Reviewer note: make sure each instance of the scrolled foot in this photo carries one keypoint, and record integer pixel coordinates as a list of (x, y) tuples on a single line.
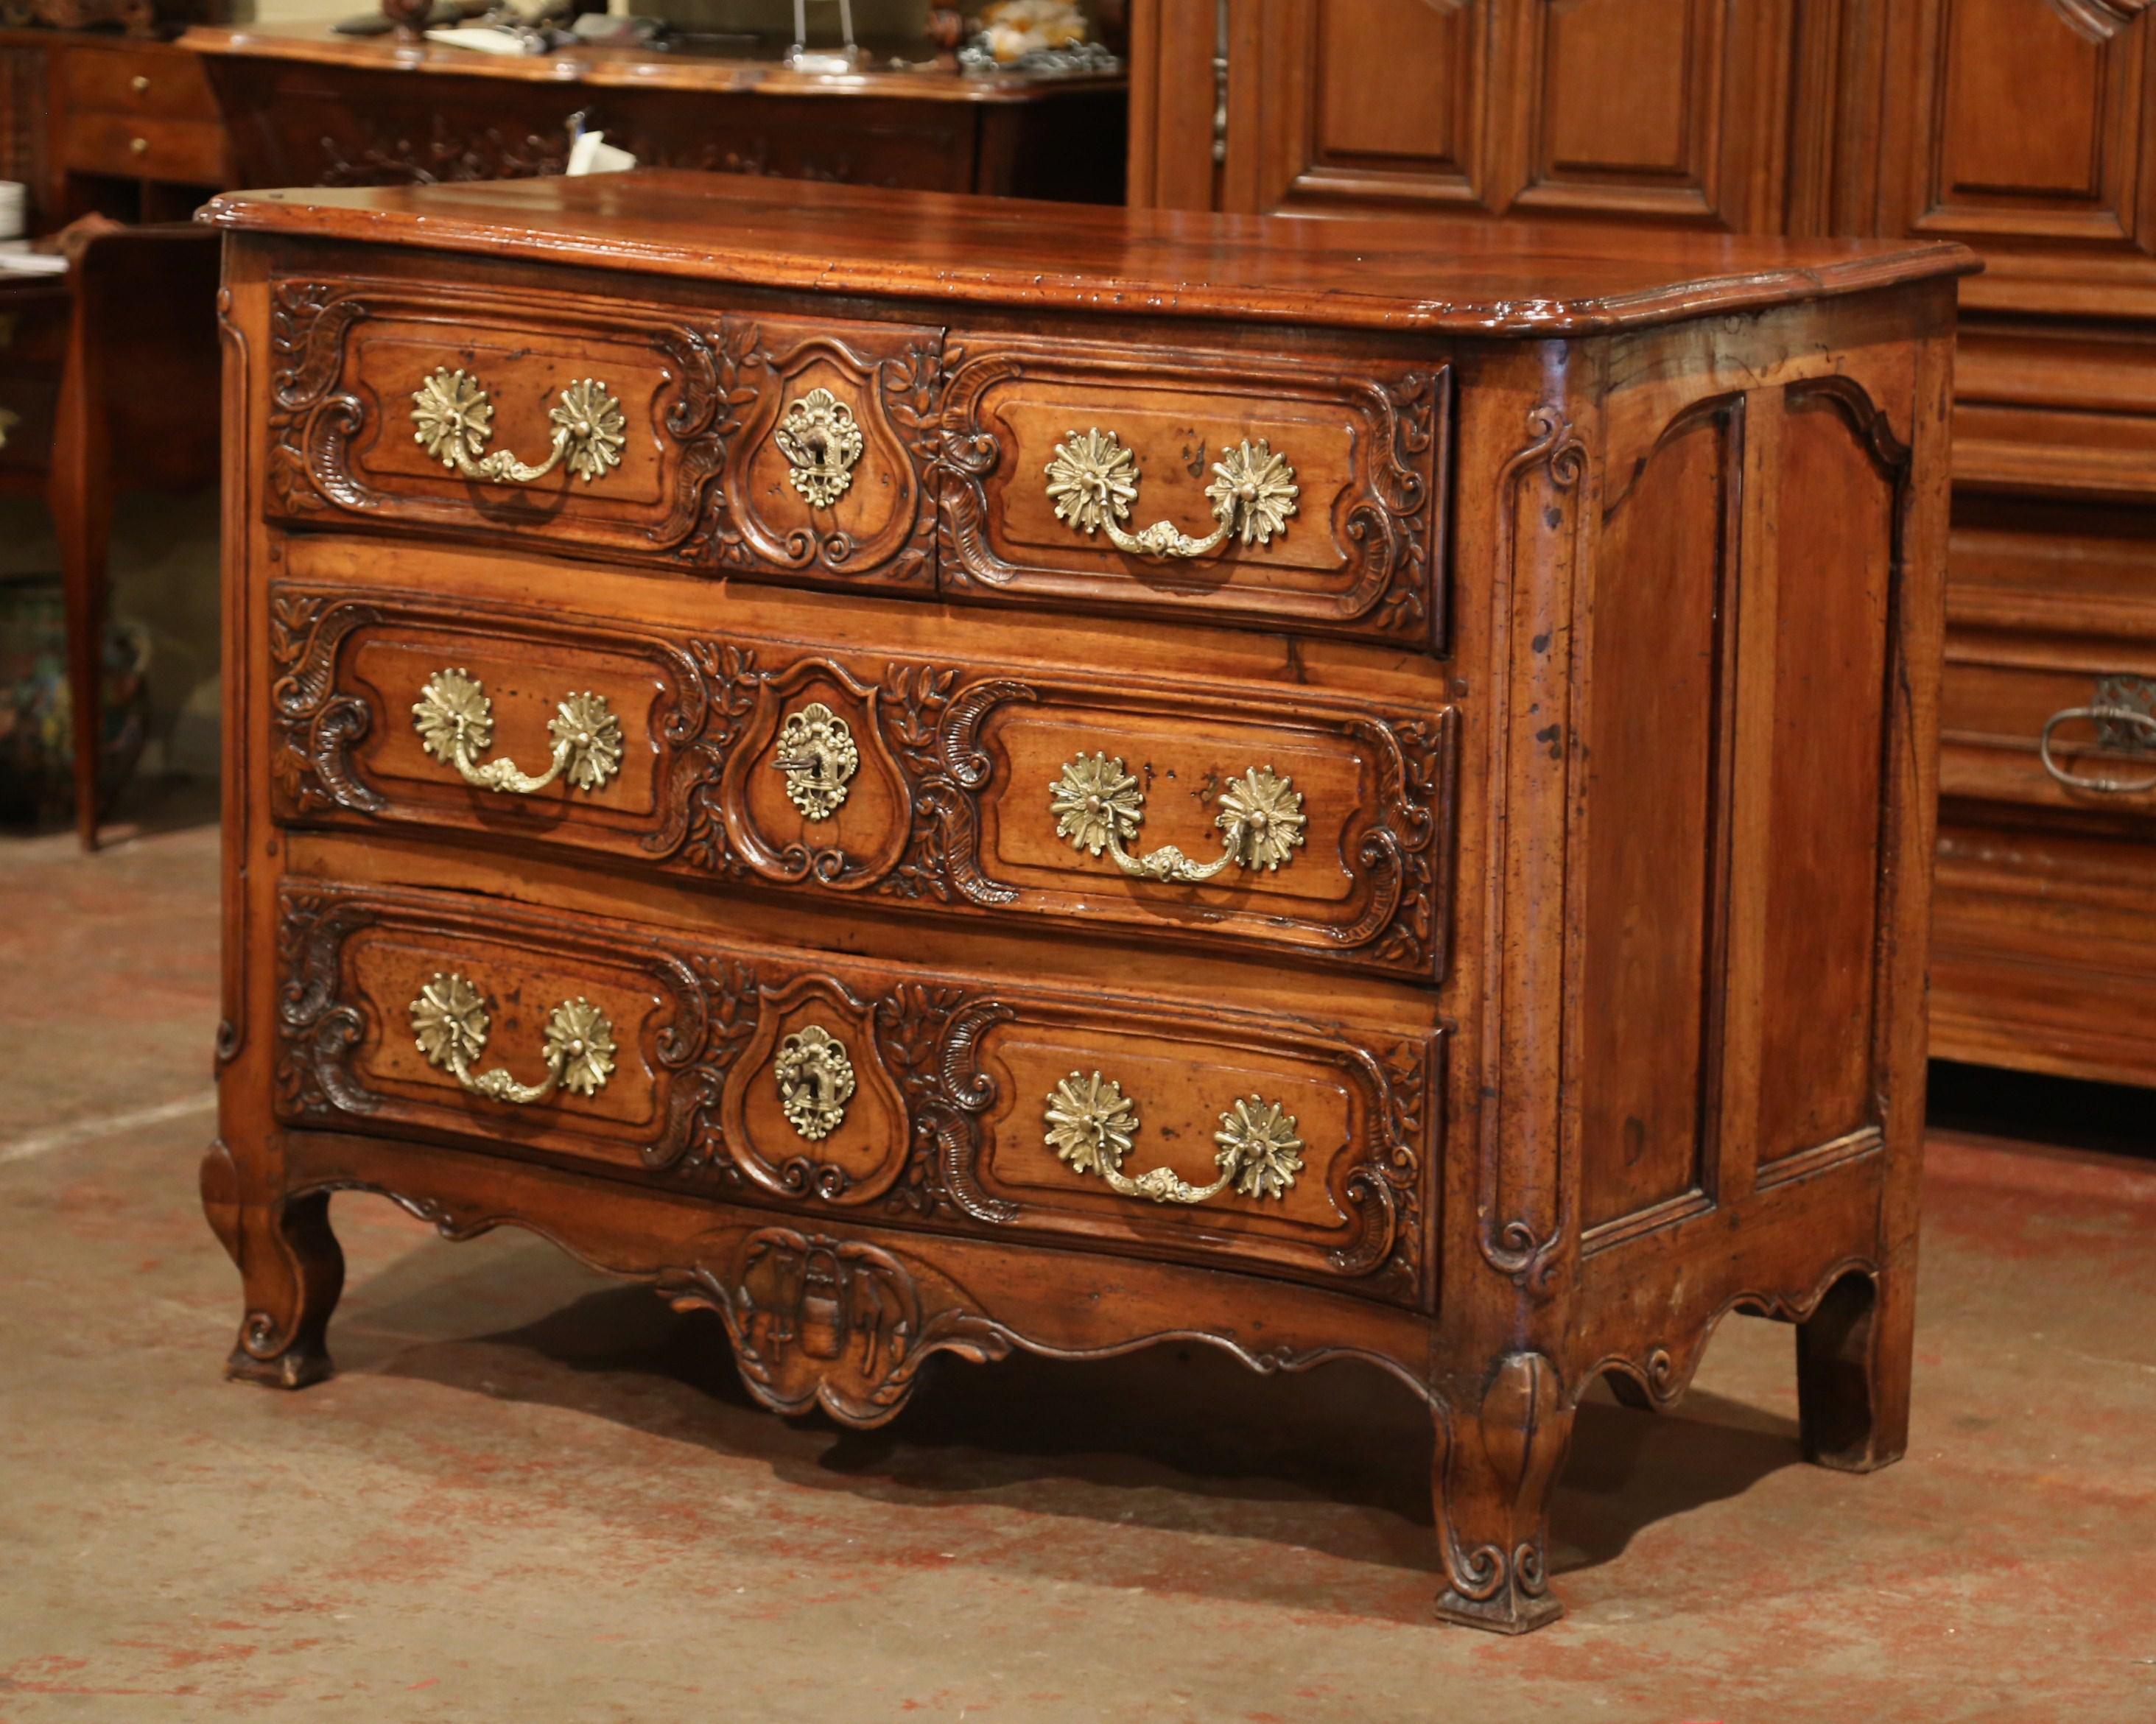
[(292, 1270), (1494, 1475)]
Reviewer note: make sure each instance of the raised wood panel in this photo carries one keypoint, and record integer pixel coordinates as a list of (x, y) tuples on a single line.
[(1626, 106), (2033, 120), (1835, 539), (1676, 110), (1357, 102), (1655, 829)]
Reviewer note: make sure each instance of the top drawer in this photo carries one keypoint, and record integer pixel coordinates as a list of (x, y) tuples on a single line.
[(147, 83), (1284, 493), (1288, 493), (788, 450)]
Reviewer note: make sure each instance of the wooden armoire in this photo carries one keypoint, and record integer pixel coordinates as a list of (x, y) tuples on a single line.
[(2026, 128)]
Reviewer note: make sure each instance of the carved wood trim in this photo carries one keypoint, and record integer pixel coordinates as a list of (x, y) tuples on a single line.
[(1665, 1371)]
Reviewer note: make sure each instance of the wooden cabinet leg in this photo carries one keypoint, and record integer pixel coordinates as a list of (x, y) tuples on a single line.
[(1495, 1469), (1853, 1359), (292, 1271), (80, 495)]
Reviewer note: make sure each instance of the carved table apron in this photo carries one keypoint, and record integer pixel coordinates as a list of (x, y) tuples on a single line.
[(925, 776)]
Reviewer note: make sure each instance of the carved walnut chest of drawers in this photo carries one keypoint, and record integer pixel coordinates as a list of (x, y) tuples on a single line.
[(930, 775)]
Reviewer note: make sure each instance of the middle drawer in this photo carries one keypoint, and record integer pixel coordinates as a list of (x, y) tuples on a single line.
[(1203, 812)]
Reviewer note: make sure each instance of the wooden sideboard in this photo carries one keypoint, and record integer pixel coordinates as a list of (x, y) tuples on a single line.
[(308, 108), (144, 129), (923, 773), (2026, 128)]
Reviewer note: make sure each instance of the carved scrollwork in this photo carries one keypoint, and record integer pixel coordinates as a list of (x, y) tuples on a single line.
[(750, 360), (314, 727), (837, 1323), (387, 151), (317, 1031)]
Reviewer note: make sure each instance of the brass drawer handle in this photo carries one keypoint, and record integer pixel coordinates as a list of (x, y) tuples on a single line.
[(139, 83), (454, 718), (2131, 716), (1094, 480), (455, 417), (449, 1023), (1091, 1124), (1097, 807)]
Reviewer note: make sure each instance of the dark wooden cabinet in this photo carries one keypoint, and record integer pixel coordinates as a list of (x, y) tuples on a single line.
[(925, 774), (2025, 128)]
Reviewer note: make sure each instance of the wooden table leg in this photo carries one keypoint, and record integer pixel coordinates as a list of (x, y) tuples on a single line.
[(80, 494)]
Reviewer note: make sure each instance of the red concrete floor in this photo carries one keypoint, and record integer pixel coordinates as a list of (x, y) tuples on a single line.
[(535, 1494)]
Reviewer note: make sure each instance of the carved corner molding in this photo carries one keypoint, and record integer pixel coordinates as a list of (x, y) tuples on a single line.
[(1511, 1178)]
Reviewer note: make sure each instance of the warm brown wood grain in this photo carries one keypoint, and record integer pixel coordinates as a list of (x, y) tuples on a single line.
[(1392, 276), (1594, 995)]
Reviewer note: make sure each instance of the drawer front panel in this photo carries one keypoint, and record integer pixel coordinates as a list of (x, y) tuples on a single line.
[(184, 151), (2052, 732), (1353, 550), (961, 787), (959, 1103), (168, 84), (782, 450)]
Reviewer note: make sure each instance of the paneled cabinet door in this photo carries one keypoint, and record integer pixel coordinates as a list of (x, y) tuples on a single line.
[(1668, 110), (2027, 127)]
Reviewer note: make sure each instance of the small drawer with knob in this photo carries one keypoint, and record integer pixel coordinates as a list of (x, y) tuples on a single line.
[(1306, 494), (147, 81), (865, 1091), (1306, 821), (184, 152), (773, 449)]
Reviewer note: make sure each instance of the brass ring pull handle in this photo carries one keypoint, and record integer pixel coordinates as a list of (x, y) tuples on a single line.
[(1097, 807), (449, 1023), (1093, 482), (455, 421), (2115, 715), (455, 717), (1091, 1124)]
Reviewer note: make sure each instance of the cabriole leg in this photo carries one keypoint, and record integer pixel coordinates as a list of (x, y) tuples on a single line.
[(292, 1271), (1494, 1472)]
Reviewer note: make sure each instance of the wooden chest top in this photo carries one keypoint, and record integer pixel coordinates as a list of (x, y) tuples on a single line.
[(1400, 275)]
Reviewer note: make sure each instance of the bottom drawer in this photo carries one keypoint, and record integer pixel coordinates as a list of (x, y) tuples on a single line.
[(910, 1095)]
